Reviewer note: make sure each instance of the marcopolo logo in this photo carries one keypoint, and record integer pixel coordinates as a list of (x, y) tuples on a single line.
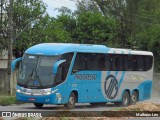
[(111, 87)]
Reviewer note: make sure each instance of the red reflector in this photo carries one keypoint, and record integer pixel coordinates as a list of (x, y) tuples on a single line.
[(32, 99)]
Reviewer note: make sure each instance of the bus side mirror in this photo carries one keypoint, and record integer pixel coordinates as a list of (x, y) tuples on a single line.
[(14, 62), (56, 65)]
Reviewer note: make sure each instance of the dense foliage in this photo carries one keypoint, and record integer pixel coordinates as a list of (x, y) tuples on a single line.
[(132, 24)]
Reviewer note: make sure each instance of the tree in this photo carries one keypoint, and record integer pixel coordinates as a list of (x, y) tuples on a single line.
[(92, 26), (68, 21), (47, 29), (25, 12), (3, 24)]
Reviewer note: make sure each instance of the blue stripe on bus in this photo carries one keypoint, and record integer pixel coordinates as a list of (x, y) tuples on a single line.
[(108, 73), (116, 73)]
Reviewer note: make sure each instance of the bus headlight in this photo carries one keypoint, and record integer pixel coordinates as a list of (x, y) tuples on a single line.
[(48, 93), (54, 91), (19, 91), (51, 92)]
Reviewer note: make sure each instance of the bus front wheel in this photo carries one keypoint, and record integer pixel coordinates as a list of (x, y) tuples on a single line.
[(72, 101), (125, 99), (38, 105)]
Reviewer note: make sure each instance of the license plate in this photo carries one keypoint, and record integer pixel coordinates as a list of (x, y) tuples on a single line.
[(32, 99)]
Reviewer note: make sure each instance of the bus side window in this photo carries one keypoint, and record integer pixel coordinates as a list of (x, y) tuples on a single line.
[(92, 61), (140, 63), (59, 75), (129, 63), (123, 63), (148, 60), (89, 61), (95, 61), (110, 62), (115, 62), (107, 62), (101, 62), (79, 63), (119, 62), (135, 63)]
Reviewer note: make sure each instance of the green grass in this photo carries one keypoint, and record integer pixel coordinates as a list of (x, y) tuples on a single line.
[(8, 100)]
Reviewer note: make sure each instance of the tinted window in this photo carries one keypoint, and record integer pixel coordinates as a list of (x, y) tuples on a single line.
[(118, 62), (80, 62), (108, 62), (139, 63), (148, 61), (101, 62), (92, 62), (112, 62), (89, 61)]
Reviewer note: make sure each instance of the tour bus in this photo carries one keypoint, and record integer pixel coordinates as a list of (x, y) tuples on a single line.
[(66, 74)]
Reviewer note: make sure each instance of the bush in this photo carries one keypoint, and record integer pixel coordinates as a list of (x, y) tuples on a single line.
[(8, 100)]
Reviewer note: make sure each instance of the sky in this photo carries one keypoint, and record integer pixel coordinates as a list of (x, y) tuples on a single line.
[(53, 4)]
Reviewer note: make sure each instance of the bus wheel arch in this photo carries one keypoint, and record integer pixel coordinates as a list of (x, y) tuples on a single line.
[(134, 96), (76, 94)]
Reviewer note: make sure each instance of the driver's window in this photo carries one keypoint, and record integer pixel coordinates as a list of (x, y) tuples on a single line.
[(64, 67), (59, 75)]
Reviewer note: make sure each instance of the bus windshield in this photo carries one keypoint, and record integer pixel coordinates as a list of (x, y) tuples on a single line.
[(36, 71)]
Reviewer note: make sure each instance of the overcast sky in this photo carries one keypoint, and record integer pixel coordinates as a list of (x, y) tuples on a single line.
[(53, 4)]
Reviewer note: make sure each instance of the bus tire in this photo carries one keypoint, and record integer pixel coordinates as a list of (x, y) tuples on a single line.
[(72, 101), (125, 99), (134, 98), (38, 105)]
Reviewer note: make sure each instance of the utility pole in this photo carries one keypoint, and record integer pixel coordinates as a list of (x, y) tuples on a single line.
[(10, 41)]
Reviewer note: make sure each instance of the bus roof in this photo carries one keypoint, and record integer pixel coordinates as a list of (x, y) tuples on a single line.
[(61, 48)]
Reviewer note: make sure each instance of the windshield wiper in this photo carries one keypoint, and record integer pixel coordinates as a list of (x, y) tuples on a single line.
[(31, 77), (38, 78)]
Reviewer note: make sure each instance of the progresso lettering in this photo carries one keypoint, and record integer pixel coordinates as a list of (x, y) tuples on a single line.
[(85, 76)]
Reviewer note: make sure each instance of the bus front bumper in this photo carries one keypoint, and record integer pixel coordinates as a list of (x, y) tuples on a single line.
[(45, 99)]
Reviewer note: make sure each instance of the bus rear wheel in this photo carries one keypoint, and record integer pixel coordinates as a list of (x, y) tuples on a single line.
[(125, 99), (72, 101), (38, 105), (134, 98)]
